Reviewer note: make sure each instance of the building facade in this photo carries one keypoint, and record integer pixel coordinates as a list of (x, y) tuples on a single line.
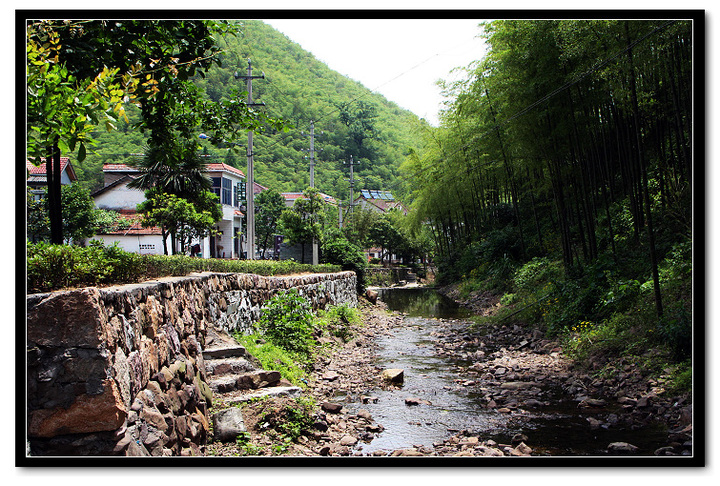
[(227, 183)]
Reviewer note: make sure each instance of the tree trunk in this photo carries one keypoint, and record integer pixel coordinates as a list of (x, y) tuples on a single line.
[(53, 170), (644, 181)]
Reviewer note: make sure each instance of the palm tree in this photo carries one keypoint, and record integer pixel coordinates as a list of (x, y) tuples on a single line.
[(173, 167)]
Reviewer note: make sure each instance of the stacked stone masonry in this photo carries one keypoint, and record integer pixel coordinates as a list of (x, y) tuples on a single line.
[(119, 371)]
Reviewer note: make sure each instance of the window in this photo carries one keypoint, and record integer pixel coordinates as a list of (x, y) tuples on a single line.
[(216, 185), (226, 196), (223, 188)]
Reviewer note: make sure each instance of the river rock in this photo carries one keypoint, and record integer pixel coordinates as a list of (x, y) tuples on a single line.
[(416, 401), (520, 450), (394, 375), (348, 440), (592, 403), (622, 447), (518, 438), (371, 295), (228, 424), (362, 413), (330, 375), (331, 407)]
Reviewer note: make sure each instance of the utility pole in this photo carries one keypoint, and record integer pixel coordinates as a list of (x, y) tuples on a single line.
[(250, 177), (352, 186), (312, 153), (315, 250)]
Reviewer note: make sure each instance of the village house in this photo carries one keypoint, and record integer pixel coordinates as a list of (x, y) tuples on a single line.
[(379, 202), (37, 176), (117, 196), (291, 197)]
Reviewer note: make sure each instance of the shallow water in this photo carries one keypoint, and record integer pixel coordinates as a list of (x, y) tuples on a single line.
[(559, 429)]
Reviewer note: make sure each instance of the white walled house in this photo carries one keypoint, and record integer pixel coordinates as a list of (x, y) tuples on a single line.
[(37, 176), (227, 185), (116, 196)]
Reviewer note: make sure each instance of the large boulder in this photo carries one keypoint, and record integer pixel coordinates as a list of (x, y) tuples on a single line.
[(228, 424)]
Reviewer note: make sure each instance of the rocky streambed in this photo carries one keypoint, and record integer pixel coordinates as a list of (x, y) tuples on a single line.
[(467, 391)]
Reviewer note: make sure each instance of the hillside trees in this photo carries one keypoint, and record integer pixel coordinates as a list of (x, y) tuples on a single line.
[(571, 139), (65, 57), (297, 88)]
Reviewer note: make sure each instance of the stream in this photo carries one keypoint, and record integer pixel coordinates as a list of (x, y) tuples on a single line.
[(441, 406)]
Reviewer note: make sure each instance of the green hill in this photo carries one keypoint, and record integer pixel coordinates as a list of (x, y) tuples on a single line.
[(349, 120)]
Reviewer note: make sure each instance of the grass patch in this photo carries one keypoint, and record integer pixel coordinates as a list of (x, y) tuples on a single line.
[(338, 321), (272, 357)]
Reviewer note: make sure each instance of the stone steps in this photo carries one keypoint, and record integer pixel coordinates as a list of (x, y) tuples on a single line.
[(275, 391), (225, 352), (224, 366), (234, 376), (244, 381)]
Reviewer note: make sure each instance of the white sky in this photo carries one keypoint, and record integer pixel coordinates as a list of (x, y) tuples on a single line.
[(399, 58)]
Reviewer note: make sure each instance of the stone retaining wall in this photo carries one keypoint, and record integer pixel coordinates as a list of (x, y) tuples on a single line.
[(119, 370)]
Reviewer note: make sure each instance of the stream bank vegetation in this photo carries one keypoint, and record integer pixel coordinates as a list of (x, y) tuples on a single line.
[(561, 179), (289, 338)]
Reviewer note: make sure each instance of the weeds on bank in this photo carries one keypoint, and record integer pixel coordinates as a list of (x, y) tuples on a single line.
[(286, 337), (602, 311)]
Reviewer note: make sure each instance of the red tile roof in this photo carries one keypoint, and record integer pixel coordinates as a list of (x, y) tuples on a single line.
[(41, 170), (119, 168), (292, 196), (213, 167), (220, 166)]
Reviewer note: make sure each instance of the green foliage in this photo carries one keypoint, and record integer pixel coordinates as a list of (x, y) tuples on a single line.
[(675, 330), (179, 217), (63, 108), (338, 321), (273, 357), (337, 250), (681, 378), (291, 419), (269, 206), (243, 441), (297, 88), (80, 219), (287, 322), (304, 221), (53, 267)]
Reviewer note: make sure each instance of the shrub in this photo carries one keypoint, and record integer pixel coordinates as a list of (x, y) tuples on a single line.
[(675, 331), (338, 321), (287, 322), (272, 357), (535, 273), (52, 267), (339, 251), (291, 418)]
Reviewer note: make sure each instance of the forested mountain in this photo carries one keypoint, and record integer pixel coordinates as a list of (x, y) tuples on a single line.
[(349, 120)]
